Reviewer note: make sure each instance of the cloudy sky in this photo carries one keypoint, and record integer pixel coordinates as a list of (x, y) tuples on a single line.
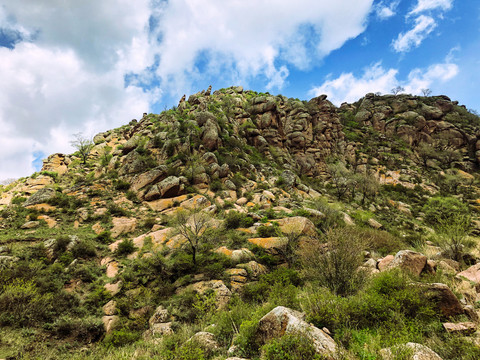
[(69, 66)]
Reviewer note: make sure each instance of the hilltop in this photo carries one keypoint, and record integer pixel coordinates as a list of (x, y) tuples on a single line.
[(245, 224)]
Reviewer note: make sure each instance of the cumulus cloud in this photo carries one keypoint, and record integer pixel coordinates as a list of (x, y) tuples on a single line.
[(427, 5), (384, 11), (65, 74), (250, 37), (424, 25), (347, 87)]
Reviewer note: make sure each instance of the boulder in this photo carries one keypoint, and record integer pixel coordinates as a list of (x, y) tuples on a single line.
[(206, 341), (123, 225), (463, 328), (374, 223), (472, 273), (410, 261), (415, 351), (110, 308), (298, 225), (384, 262), (110, 323), (30, 225), (254, 269), (282, 320), (149, 177), (41, 196), (444, 299), (222, 293), (160, 315), (169, 187)]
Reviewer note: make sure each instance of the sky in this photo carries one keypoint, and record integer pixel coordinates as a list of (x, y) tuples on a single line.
[(69, 67)]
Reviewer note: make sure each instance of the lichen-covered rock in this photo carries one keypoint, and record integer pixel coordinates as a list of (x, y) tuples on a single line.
[(410, 261), (282, 320), (40, 197)]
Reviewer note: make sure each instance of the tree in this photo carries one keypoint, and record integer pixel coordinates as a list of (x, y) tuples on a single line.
[(426, 92), (368, 186), (398, 89), (193, 226), (83, 145), (340, 177)]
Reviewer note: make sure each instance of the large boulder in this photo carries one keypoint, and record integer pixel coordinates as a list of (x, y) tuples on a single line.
[(40, 197), (282, 320), (409, 261)]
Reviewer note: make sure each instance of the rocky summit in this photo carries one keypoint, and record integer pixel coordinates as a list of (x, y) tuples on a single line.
[(243, 225)]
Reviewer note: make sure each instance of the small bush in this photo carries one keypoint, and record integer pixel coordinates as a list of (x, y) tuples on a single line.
[(267, 231), (121, 337), (335, 265), (234, 220), (126, 247), (85, 330), (290, 347), (121, 185), (84, 249), (105, 237)]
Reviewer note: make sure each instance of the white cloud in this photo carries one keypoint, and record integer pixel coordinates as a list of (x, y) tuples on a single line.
[(384, 11), (347, 87), (70, 76), (247, 38), (426, 5), (424, 25)]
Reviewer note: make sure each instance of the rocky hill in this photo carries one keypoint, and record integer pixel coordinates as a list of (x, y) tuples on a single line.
[(251, 225)]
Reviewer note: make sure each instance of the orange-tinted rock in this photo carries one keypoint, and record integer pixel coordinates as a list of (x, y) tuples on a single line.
[(123, 225)]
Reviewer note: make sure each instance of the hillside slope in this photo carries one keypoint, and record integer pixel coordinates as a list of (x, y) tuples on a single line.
[(180, 231)]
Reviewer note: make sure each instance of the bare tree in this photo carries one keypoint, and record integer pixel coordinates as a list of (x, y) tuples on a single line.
[(426, 92), (83, 145), (398, 89), (193, 226), (340, 177)]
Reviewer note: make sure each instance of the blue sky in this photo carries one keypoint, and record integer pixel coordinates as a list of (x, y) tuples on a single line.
[(69, 67)]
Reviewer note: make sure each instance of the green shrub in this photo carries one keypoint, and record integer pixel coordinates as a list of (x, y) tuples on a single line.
[(22, 304), (105, 237), (116, 210), (121, 337), (335, 265), (125, 247), (121, 185), (290, 347), (235, 219), (86, 330), (17, 200), (84, 249), (267, 231)]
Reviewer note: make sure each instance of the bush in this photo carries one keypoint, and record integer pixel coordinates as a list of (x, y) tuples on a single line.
[(84, 249), (105, 237), (85, 330), (234, 220), (121, 337), (335, 265), (126, 247), (267, 231), (290, 347)]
